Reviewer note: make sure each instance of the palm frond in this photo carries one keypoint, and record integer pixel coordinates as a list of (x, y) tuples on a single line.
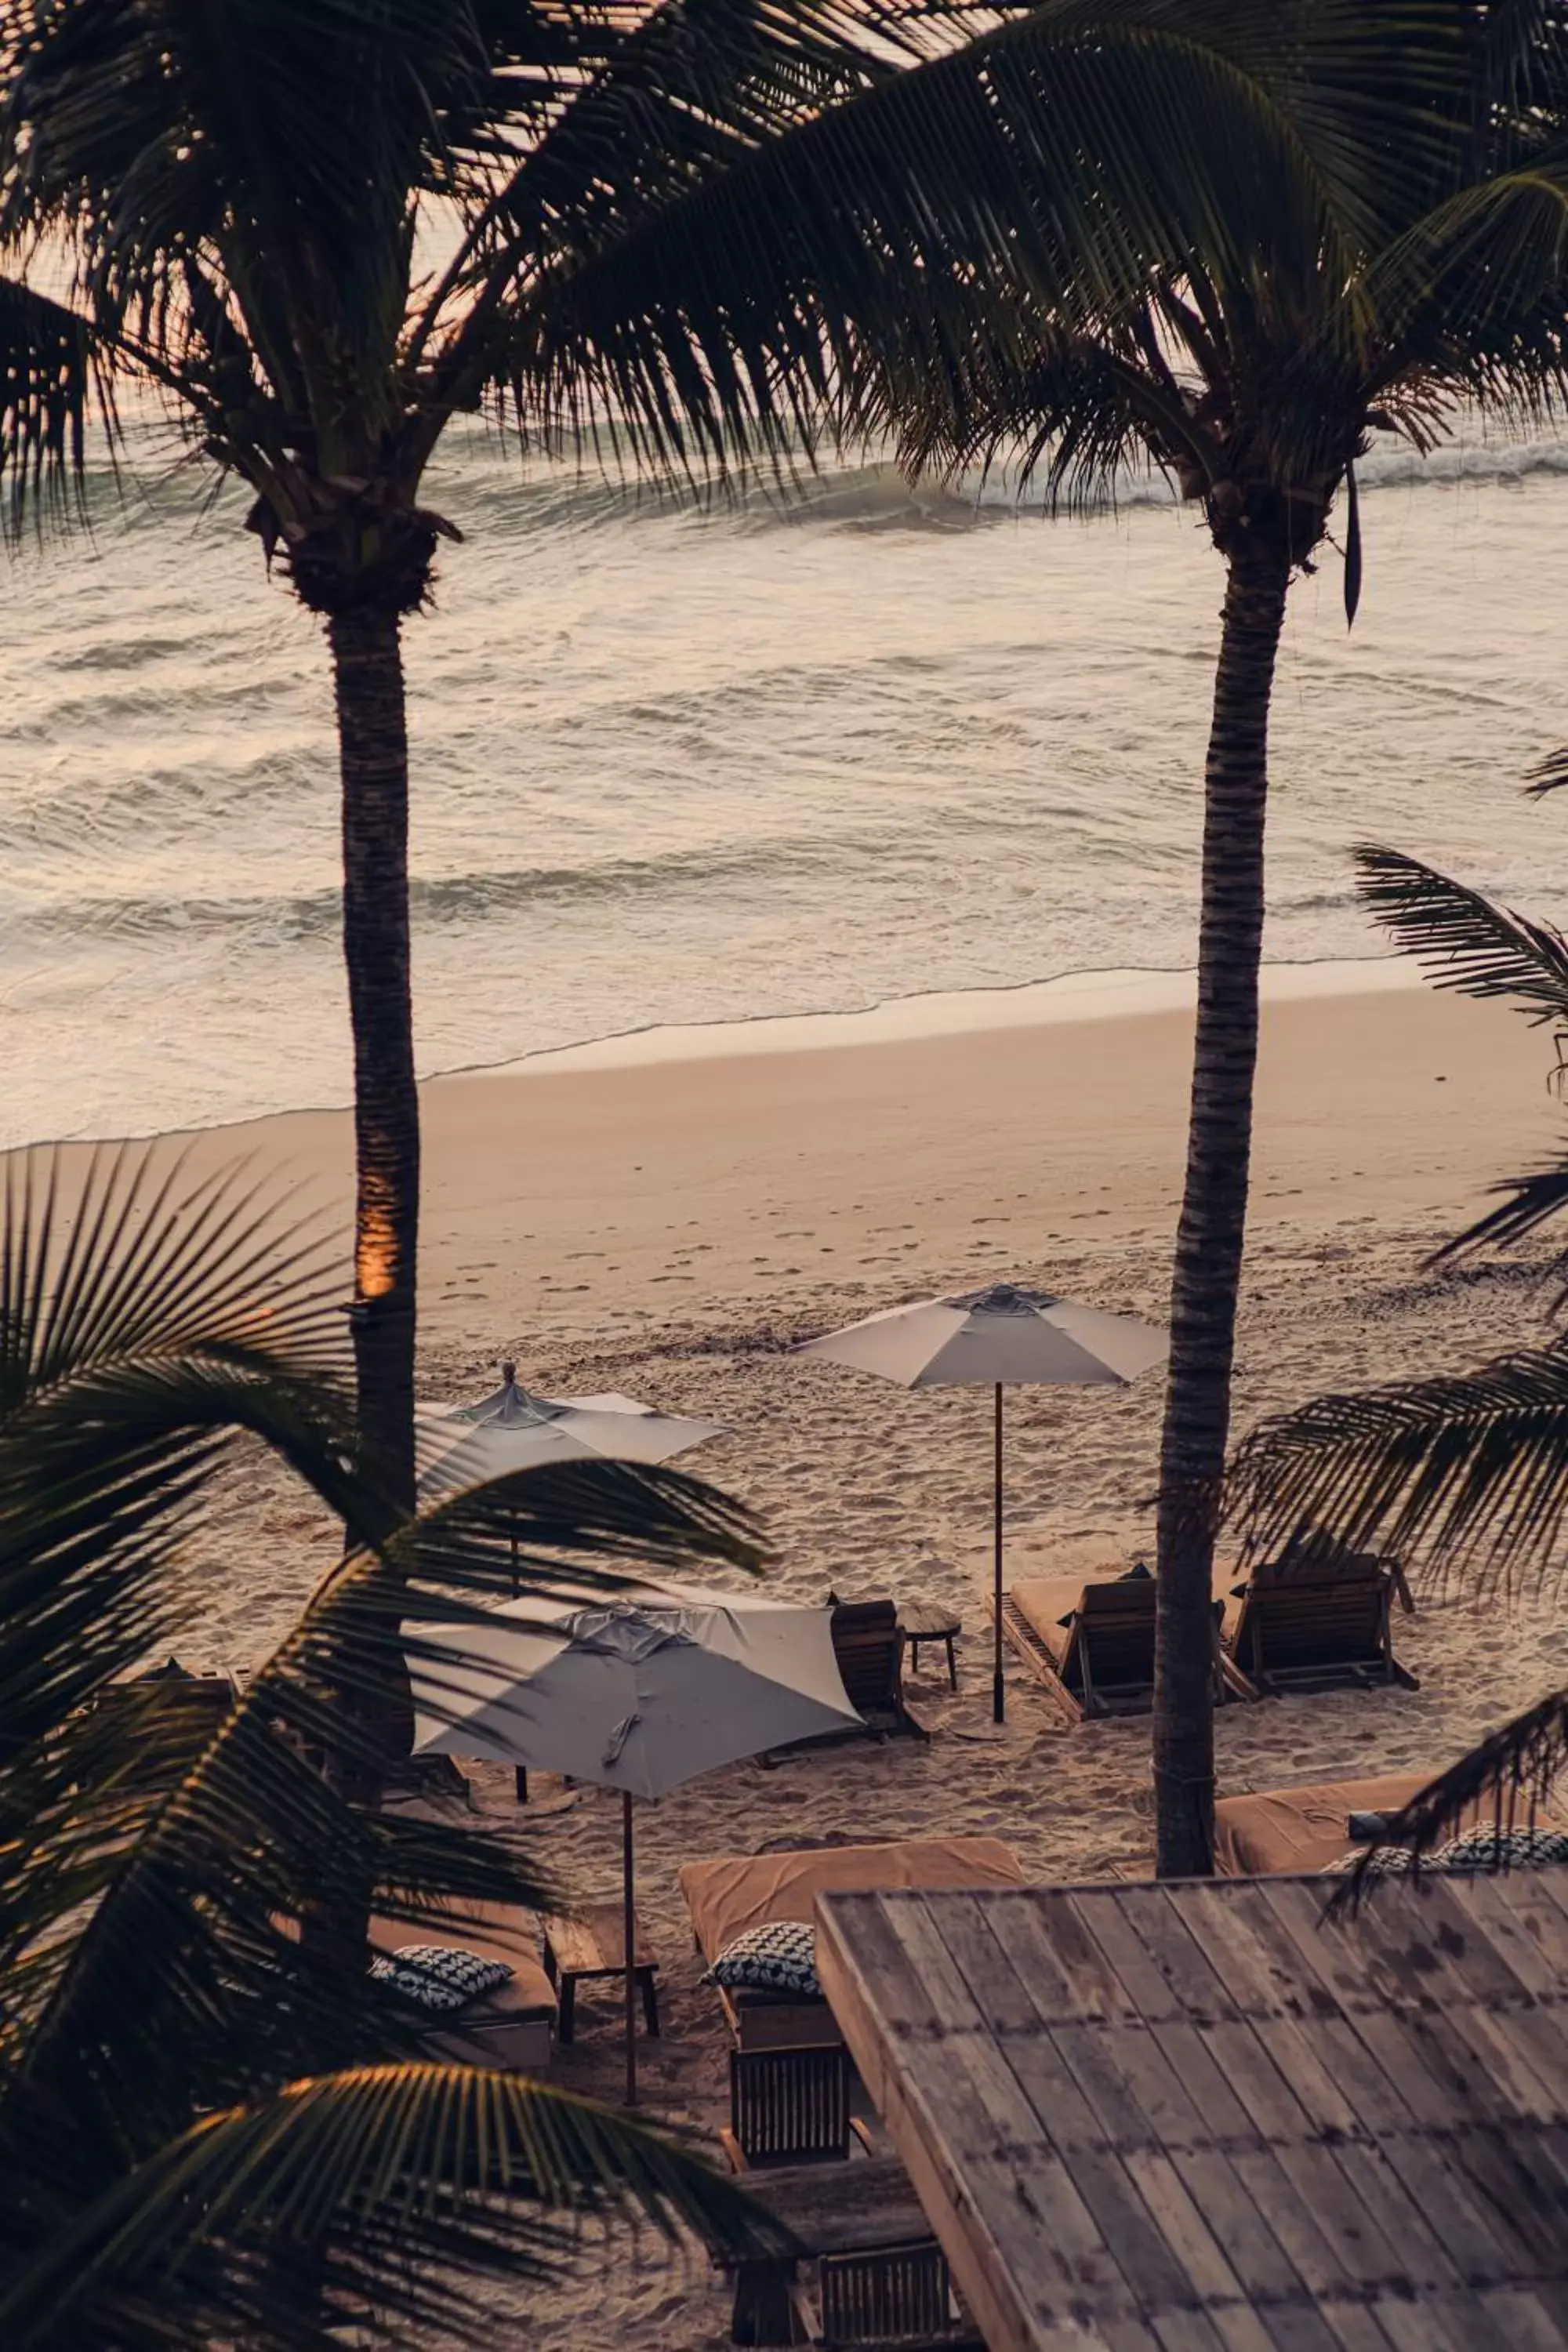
[(1549, 775), (1066, 158), (1508, 1776), (406, 2183), (1469, 1470), (53, 388), (1528, 1203), (1462, 939), (195, 1974)]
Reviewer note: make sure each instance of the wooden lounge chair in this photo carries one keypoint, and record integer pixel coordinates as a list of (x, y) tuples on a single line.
[(892, 2295), (869, 1644), (1316, 1619), (790, 2106), (1091, 1642)]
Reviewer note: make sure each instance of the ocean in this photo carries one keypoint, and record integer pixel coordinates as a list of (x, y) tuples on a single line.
[(685, 765)]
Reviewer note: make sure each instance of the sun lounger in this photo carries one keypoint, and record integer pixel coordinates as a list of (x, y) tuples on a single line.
[(1316, 1620), (1301, 1830), (512, 2027), (869, 1645), (1091, 1642), (733, 1892)]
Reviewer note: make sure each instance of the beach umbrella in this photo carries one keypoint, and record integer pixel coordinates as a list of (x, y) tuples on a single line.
[(511, 1430), (638, 1692), (995, 1337), (462, 1444)]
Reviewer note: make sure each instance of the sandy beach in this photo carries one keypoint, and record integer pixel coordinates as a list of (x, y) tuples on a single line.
[(672, 1228)]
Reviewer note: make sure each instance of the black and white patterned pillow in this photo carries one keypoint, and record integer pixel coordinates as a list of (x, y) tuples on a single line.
[(1480, 1850), (1381, 1861), (1465, 1857), (779, 1958), (436, 1977)]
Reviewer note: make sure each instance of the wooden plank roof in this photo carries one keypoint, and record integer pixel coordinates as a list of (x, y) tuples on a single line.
[(1198, 2118)]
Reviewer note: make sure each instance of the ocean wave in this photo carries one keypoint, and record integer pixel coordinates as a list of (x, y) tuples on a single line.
[(457, 899), (873, 495)]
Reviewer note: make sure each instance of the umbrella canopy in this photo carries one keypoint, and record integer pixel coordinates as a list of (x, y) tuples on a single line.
[(511, 1430), (1000, 1335), (637, 1694), (997, 1337)]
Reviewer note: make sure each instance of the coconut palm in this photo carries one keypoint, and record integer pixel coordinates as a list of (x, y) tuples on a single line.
[(1469, 1471), (214, 2124), (1232, 243), (321, 234)]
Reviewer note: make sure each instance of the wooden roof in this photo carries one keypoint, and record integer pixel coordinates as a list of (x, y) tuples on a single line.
[(1194, 2118)]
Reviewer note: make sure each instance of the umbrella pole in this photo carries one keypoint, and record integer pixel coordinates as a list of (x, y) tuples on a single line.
[(521, 1773), (998, 1698), (629, 1918)]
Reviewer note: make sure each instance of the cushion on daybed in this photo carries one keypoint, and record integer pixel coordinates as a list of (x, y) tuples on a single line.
[(780, 1958), (440, 1977), (492, 1931), (734, 1892), (1470, 1856)]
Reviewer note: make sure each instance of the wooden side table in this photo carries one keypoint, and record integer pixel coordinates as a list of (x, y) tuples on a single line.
[(592, 1944), (928, 1621)]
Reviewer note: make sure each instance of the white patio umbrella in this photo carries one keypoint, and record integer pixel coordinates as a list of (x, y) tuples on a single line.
[(511, 1430), (637, 1694), (996, 1338)]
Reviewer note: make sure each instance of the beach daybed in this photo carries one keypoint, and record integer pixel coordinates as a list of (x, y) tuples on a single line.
[(732, 1893), (1296, 1831), (1089, 1641), (511, 2027), (1314, 1620)]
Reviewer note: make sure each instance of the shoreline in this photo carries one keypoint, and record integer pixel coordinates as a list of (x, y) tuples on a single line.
[(1107, 993), (1066, 999)]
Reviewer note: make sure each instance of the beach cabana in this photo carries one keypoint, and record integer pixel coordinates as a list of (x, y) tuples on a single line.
[(639, 1695), (998, 1338)]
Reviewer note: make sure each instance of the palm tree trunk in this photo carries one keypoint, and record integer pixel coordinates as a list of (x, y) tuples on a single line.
[(372, 740), (1207, 1273)]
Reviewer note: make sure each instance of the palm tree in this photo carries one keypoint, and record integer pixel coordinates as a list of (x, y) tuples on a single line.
[(213, 2127), (1471, 1471), (1232, 243), (321, 235)]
